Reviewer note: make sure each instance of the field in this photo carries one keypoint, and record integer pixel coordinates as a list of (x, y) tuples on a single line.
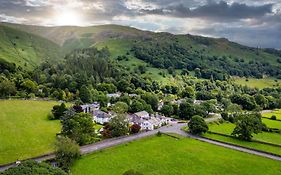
[(168, 156), (25, 130), (276, 112), (227, 129), (258, 83)]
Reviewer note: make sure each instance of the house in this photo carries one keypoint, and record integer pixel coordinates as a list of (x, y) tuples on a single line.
[(101, 117), (89, 108), (114, 95), (142, 114), (146, 121), (133, 95), (198, 102), (178, 102)]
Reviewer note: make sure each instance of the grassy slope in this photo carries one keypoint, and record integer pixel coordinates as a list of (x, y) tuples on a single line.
[(258, 83), (25, 49), (25, 130), (168, 156)]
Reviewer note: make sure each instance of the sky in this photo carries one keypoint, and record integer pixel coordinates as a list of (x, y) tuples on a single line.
[(255, 23)]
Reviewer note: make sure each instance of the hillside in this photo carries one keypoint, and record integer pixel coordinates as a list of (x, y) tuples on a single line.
[(212, 57), (25, 49)]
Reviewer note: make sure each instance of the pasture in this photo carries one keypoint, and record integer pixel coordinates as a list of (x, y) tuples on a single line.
[(25, 130), (168, 156)]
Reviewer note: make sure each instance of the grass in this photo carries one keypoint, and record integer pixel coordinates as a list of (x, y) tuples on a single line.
[(26, 50), (25, 130), (227, 128), (258, 83), (276, 112), (168, 156)]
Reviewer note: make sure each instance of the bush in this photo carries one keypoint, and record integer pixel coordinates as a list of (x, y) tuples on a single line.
[(135, 128), (197, 125), (31, 167), (51, 116), (158, 134), (224, 115), (132, 172), (67, 151), (273, 117)]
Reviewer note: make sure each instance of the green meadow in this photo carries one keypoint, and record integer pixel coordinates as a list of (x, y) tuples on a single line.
[(257, 83), (25, 130), (227, 128), (169, 156)]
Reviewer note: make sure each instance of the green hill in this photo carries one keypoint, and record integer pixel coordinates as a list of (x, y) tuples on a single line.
[(25, 49), (214, 57)]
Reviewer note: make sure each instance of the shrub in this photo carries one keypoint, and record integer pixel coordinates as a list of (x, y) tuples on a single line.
[(135, 128), (158, 134), (224, 115), (273, 117), (32, 167), (132, 172), (67, 151), (51, 116)]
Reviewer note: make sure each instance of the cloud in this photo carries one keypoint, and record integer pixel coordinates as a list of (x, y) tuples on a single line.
[(249, 22), (214, 10)]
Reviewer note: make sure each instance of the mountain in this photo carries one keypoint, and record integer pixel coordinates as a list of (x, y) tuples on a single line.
[(26, 49), (212, 57)]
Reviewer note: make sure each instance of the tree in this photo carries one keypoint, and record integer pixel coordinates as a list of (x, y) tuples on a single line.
[(135, 128), (140, 105), (151, 99), (30, 86), (167, 110), (59, 110), (120, 107), (246, 101), (197, 125), (209, 106), (246, 125), (7, 88), (32, 167), (187, 110), (85, 94), (78, 127), (188, 92), (118, 126), (261, 101), (67, 151)]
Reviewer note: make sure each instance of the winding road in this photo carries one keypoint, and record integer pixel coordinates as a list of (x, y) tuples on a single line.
[(175, 128)]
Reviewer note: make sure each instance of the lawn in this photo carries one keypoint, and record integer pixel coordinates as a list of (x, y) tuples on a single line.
[(227, 128), (257, 83), (168, 156), (276, 112), (25, 130)]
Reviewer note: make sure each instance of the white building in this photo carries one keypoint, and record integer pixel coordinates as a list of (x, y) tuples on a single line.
[(114, 95), (142, 114), (90, 108), (101, 117), (148, 122)]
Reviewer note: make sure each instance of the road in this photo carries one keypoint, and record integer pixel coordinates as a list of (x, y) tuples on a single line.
[(175, 128)]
